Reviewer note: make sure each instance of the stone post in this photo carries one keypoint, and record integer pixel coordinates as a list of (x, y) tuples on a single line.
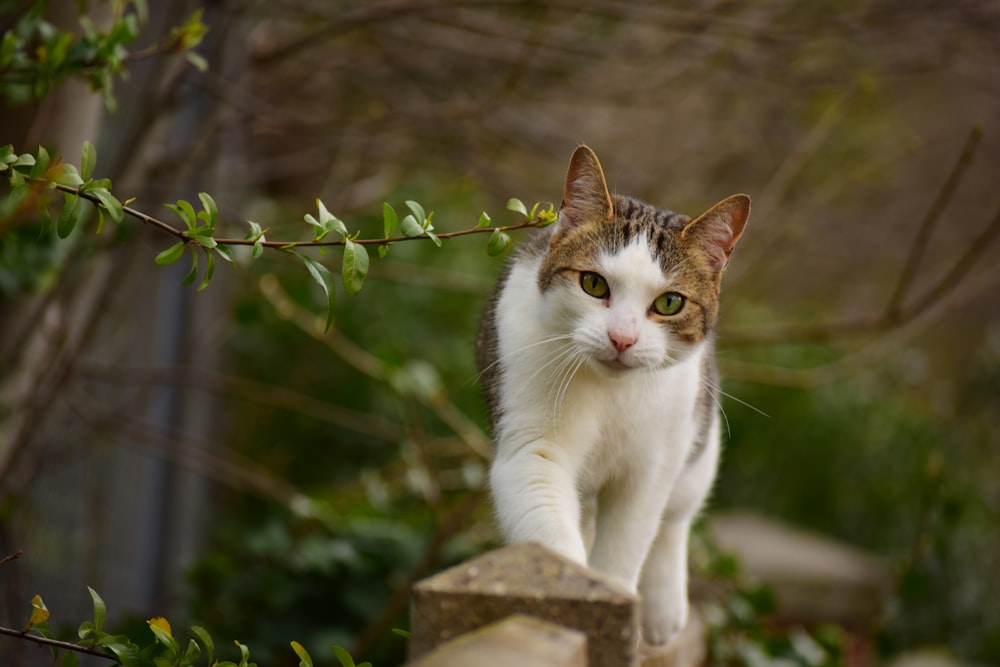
[(526, 579)]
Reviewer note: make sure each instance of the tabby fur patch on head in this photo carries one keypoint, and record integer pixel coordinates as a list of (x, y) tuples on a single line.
[(693, 253)]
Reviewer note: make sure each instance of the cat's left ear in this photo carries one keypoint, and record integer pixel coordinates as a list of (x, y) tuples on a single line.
[(718, 229), (585, 195)]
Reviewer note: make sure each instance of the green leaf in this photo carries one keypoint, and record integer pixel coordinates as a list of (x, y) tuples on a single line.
[(197, 60), (41, 164), (498, 244), (258, 248), (244, 654), (344, 657), (402, 633), (432, 236), (65, 174), (191, 653), (96, 184), (330, 222), (305, 660), (411, 227), (324, 279), (226, 253), (484, 220), (110, 204), (203, 235), (515, 204), (193, 273), (70, 659), (24, 160), (69, 216), (171, 254), (209, 271), (255, 230), (418, 211), (390, 219), (164, 635), (355, 267), (206, 639), (86, 629), (327, 223), (100, 610), (211, 209), (88, 161), (39, 613), (185, 211)]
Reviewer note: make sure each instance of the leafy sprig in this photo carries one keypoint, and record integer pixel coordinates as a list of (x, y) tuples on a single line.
[(196, 231), (35, 56), (166, 650)]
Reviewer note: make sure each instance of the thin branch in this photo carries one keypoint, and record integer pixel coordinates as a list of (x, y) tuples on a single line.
[(371, 365), (894, 309), (55, 643), (14, 556), (250, 390), (287, 245), (197, 457), (961, 267), (895, 313), (858, 360)]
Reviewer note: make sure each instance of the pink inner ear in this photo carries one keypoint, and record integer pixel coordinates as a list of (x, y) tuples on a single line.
[(720, 227), (585, 193)]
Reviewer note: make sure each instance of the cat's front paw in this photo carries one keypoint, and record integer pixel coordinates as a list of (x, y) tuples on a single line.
[(663, 619)]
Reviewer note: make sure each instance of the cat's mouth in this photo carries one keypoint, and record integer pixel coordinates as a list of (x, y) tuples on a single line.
[(615, 364)]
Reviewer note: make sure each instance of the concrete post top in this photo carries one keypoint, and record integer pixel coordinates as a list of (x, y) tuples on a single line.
[(528, 570)]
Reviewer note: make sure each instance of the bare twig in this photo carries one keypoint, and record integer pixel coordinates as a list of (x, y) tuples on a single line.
[(371, 365), (55, 643), (227, 470), (895, 312), (894, 309), (856, 361), (248, 390), (14, 556)]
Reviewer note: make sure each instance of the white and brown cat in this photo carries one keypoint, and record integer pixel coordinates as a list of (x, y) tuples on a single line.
[(597, 362)]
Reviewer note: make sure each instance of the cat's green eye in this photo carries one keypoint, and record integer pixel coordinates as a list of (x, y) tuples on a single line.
[(669, 303), (594, 284)]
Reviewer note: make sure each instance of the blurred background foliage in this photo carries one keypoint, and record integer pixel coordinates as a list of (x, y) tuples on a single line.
[(219, 457)]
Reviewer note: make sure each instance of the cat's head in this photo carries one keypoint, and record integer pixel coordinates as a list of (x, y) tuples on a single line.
[(635, 286)]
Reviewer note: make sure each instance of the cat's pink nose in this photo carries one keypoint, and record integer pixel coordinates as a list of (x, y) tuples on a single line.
[(621, 341)]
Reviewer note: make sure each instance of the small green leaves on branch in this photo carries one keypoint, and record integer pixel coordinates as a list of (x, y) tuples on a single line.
[(36, 55), (29, 175), (326, 223), (166, 648)]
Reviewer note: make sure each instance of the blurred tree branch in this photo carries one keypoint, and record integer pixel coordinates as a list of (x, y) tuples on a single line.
[(896, 313), (434, 398)]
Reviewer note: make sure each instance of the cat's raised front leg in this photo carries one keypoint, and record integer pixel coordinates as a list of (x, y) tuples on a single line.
[(536, 499), (663, 584)]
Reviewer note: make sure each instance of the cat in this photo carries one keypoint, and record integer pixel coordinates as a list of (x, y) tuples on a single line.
[(596, 354)]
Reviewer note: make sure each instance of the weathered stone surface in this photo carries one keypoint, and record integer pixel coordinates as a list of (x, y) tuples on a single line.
[(526, 579), (520, 641), (815, 579)]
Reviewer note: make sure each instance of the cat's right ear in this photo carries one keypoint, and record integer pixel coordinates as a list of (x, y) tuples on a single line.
[(585, 195)]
